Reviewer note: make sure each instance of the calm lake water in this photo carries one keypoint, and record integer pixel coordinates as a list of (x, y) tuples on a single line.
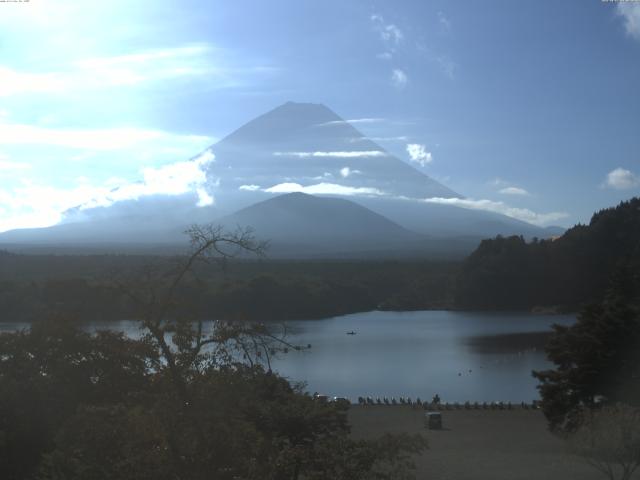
[(458, 355)]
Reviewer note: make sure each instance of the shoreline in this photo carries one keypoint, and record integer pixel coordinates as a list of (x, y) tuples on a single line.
[(545, 313)]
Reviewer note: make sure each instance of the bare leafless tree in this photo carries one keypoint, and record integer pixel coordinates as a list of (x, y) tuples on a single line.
[(186, 343)]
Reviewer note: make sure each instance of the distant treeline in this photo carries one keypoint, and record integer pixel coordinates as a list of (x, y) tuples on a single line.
[(95, 287), (560, 274), (505, 273)]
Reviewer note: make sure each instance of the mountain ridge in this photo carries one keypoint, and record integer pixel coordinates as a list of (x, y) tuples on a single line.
[(295, 147)]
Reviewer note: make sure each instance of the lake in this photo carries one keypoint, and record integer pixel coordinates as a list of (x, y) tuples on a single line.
[(458, 355)]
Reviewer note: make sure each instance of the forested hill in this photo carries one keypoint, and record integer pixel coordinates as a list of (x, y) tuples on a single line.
[(562, 273)]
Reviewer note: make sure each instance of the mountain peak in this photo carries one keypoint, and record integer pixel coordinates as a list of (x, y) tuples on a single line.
[(318, 108), (308, 144), (286, 120)]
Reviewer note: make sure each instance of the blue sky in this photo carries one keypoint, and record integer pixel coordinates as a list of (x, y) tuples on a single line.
[(529, 108)]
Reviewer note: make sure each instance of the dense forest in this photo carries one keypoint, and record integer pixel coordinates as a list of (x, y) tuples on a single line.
[(556, 274), (89, 287)]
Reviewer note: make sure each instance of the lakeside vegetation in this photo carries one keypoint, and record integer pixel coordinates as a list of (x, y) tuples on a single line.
[(505, 273)]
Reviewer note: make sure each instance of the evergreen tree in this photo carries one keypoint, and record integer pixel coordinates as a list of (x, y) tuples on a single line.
[(597, 359)]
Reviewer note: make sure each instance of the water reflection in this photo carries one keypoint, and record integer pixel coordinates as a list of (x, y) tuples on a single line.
[(508, 343)]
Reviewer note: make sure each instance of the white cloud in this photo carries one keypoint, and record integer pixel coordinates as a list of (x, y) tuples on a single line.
[(91, 139), (622, 179), (172, 179), (354, 154), (524, 214), (9, 166), (506, 188), (100, 72), (389, 32), (324, 189), (513, 191), (630, 12), (204, 198), (399, 78), (418, 154), (540, 219), (346, 171), (392, 36), (115, 182), (352, 121), (366, 120), (13, 82), (205, 158), (31, 205), (249, 188), (138, 58), (392, 33)]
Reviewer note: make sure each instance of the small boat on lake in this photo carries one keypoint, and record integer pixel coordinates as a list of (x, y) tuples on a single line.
[(351, 333)]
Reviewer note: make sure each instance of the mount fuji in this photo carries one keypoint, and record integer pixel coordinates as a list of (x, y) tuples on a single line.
[(363, 198)]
